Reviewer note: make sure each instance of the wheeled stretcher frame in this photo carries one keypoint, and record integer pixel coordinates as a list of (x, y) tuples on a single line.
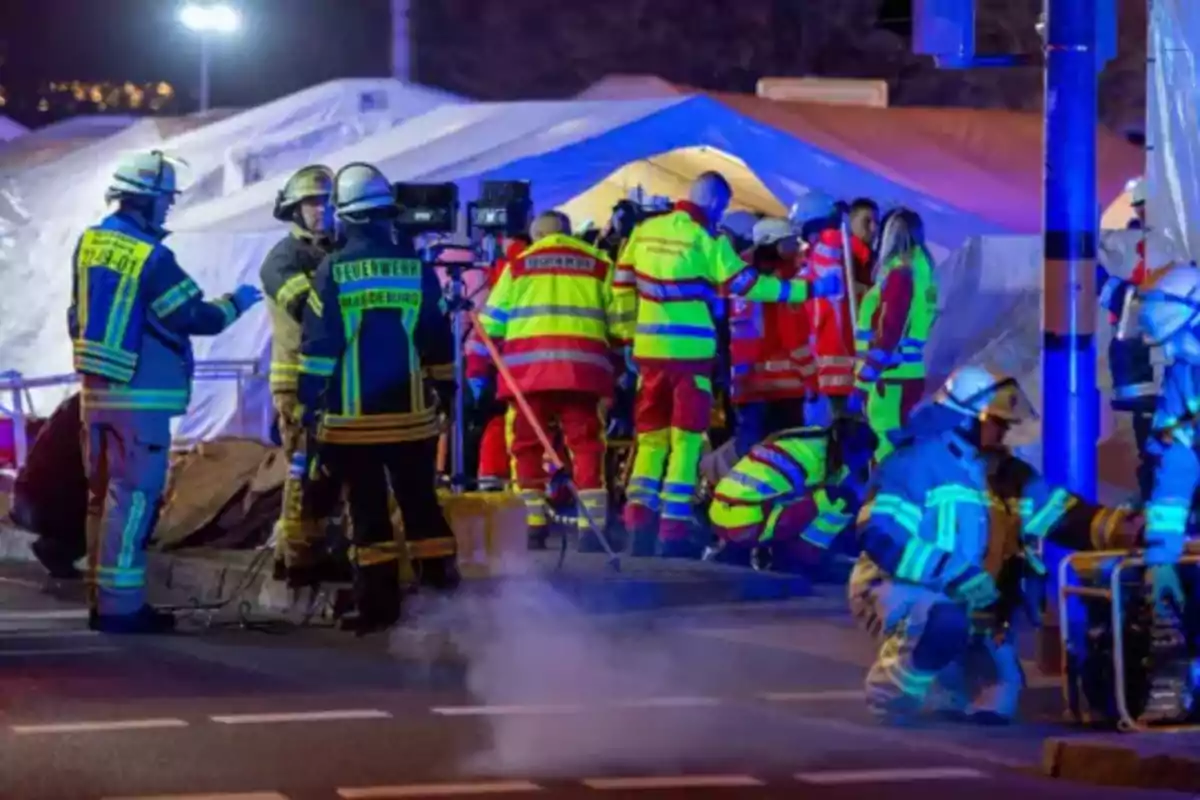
[(1114, 563)]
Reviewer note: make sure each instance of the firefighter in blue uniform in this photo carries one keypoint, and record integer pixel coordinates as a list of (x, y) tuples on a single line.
[(132, 312), (374, 332), (1170, 319), (952, 533)]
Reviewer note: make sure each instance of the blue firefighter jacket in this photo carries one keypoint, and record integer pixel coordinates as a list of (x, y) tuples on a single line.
[(374, 331), (133, 309), (936, 504), (1177, 472)]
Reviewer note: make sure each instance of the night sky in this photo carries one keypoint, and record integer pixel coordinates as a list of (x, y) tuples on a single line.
[(284, 46)]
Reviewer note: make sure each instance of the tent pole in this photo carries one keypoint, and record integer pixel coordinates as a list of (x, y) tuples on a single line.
[(1070, 400)]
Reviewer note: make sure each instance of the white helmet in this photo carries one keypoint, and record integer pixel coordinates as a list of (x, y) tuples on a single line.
[(361, 187), (1170, 303), (771, 230), (152, 174), (980, 393), (1137, 191), (811, 206)]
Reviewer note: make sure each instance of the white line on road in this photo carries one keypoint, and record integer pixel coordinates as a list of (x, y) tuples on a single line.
[(302, 716), (834, 778), (233, 796), (60, 613), (664, 782), (669, 702), (437, 790), (13, 634), (498, 711), (56, 651), (97, 727), (831, 695)]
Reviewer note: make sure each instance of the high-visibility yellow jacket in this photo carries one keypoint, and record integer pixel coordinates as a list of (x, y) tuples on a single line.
[(675, 269), (895, 319), (286, 276), (556, 320)]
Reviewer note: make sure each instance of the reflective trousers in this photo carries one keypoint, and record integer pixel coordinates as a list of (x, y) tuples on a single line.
[(671, 419), (126, 456), (579, 417), (889, 405), (298, 540), (929, 654)]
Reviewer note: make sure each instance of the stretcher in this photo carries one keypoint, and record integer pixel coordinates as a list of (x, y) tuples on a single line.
[(1113, 670)]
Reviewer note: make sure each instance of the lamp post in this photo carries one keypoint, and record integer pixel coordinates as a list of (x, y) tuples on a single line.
[(207, 19)]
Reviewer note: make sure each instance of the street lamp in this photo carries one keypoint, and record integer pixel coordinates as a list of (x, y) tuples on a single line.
[(207, 19)]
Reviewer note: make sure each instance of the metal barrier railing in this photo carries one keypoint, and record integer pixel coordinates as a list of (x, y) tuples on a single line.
[(243, 372)]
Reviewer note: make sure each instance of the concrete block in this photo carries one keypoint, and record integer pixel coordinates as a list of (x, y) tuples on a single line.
[(1168, 761)]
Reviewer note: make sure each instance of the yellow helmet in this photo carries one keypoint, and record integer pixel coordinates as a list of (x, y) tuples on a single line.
[(315, 180)]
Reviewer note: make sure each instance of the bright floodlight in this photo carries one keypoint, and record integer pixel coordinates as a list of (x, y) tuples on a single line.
[(218, 18)]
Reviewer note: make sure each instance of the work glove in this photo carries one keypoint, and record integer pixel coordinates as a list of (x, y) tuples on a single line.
[(1166, 589), (827, 285), (978, 591), (478, 387), (245, 297)]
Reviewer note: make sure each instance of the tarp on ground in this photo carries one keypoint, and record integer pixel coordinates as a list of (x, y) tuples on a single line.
[(10, 129), (44, 208), (1172, 137)]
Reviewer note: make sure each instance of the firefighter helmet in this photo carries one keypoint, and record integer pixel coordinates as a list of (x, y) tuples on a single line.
[(358, 188), (315, 180), (810, 207), (152, 174), (979, 393), (1170, 303)]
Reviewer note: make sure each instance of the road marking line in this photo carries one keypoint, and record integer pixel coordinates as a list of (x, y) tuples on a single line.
[(437, 790), (62, 613), (835, 777), (302, 716), (96, 727), (497, 711), (13, 634), (232, 796), (679, 782), (56, 651), (830, 695), (669, 702)]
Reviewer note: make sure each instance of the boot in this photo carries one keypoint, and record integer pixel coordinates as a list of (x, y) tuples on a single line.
[(55, 559), (440, 574), (145, 620), (642, 526), (377, 599), (537, 536)]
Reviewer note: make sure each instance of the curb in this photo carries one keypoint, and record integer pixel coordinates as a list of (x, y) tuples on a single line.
[(183, 579), (1147, 761)]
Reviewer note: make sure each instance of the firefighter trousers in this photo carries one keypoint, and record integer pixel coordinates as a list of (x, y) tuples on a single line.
[(888, 407), (671, 418), (298, 540), (367, 473), (930, 656), (126, 456), (580, 418)]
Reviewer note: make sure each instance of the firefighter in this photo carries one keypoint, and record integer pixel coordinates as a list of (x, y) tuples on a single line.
[(373, 332), (555, 318), (894, 321), (830, 320), (286, 277), (494, 470), (1170, 319), (950, 533), (802, 486), (772, 367), (676, 268), (133, 311)]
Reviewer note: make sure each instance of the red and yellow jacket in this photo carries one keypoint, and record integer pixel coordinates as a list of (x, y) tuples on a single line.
[(556, 320), (769, 344), (830, 323)]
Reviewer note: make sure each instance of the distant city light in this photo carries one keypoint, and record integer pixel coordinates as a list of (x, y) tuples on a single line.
[(218, 18)]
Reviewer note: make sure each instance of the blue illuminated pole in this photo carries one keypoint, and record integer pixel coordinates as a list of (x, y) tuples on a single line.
[(1070, 400)]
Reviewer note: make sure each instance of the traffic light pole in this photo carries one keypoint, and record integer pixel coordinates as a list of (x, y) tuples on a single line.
[(1070, 399)]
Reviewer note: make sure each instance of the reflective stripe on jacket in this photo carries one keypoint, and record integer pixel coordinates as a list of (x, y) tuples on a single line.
[(895, 319), (830, 321), (769, 347), (286, 276)]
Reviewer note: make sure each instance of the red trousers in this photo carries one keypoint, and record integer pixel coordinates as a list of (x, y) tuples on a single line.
[(494, 460), (578, 415)]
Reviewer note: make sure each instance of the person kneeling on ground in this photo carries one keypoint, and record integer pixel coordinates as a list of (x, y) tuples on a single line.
[(952, 532)]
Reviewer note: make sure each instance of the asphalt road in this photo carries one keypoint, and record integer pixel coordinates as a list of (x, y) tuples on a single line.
[(515, 695)]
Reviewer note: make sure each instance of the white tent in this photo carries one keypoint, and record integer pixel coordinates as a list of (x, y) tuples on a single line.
[(10, 129)]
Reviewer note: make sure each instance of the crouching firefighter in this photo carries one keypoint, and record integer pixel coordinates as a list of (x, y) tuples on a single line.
[(796, 491), (287, 280), (953, 526), (554, 316), (132, 312), (373, 331)]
